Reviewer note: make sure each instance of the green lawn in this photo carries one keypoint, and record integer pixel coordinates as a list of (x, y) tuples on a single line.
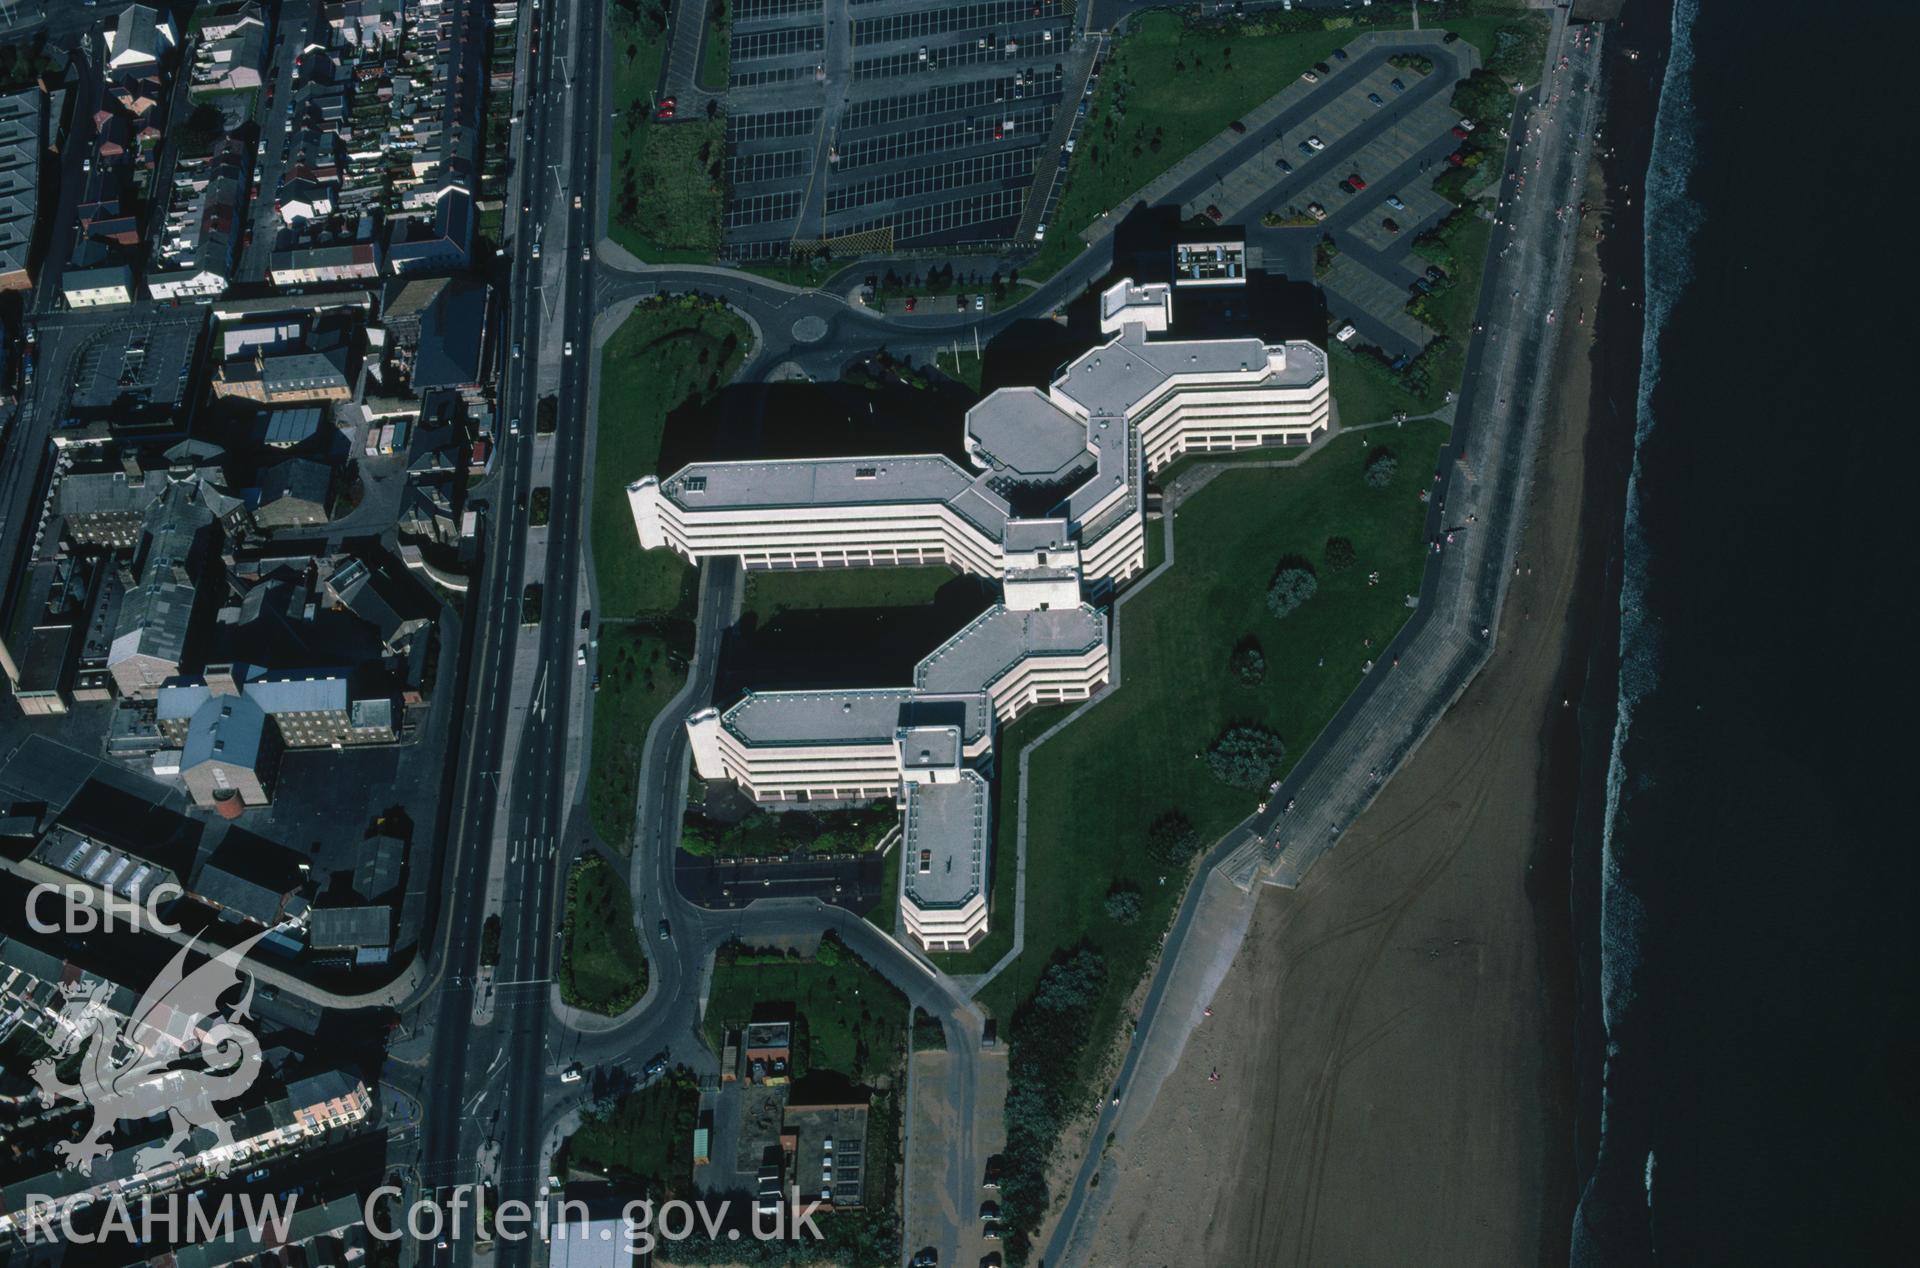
[(669, 187), (767, 834), (641, 666), (770, 593), (716, 52), (854, 1020), (645, 1138), (1364, 389), (669, 350), (884, 911), (966, 368), (602, 968), (1095, 787), (1166, 91)]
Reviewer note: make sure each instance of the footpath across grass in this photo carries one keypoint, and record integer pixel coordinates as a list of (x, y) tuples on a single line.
[(1095, 788), (602, 968), (670, 350), (641, 666), (847, 1018)]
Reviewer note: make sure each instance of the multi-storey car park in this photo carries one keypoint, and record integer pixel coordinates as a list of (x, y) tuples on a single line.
[(1083, 447)]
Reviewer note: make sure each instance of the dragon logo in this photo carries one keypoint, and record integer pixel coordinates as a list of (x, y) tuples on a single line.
[(177, 1054)]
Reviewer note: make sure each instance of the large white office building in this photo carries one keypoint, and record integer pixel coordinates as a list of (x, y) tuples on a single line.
[(1107, 421)]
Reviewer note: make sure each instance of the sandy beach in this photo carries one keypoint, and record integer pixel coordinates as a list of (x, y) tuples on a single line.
[(1393, 1041)]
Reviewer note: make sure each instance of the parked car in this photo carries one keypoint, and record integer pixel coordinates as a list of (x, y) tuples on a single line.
[(1237, 126), (1393, 201), (1357, 182), (1396, 85), (910, 303), (1376, 99), (1339, 54), (1323, 68), (1039, 233), (1468, 124), (1458, 131), (1421, 286), (961, 302), (1309, 76), (572, 1074), (1390, 225), (979, 303), (1306, 149), (1316, 211), (1346, 332), (1435, 273), (1213, 213), (1316, 143), (1283, 165), (1458, 158), (656, 1067), (665, 109), (1346, 186)]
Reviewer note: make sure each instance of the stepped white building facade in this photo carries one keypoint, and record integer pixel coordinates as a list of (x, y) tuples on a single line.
[(1107, 421)]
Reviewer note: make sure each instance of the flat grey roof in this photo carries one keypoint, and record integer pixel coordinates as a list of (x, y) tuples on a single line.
[(999, 638), (1025, 535), (1117, 376), (928, 747), (811, 482), (1021, 431), (867, 716), (952, 824)]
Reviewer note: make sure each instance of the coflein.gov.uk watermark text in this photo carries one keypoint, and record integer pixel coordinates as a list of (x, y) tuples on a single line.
[(451, 1215)]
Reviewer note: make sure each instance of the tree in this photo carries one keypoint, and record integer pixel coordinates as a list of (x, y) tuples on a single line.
[(1380, 468), (1245, 756), (1171, 840), (1293, 584), (1123, 905), (1248, 663), (1071, 985), (1339, 553)]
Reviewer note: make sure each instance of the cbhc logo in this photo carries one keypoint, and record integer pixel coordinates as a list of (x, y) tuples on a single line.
[(85, 909)]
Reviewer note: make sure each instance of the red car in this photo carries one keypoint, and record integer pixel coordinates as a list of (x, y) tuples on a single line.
[(1357, 182), (665, 109), (1458, 158), (1213, 212), (910, 303), (1459, 132)]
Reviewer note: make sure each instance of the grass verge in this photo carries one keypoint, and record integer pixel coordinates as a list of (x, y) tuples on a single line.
[(716, 51), (602, 968), (641, 666), (669, 186), (670, 350)]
